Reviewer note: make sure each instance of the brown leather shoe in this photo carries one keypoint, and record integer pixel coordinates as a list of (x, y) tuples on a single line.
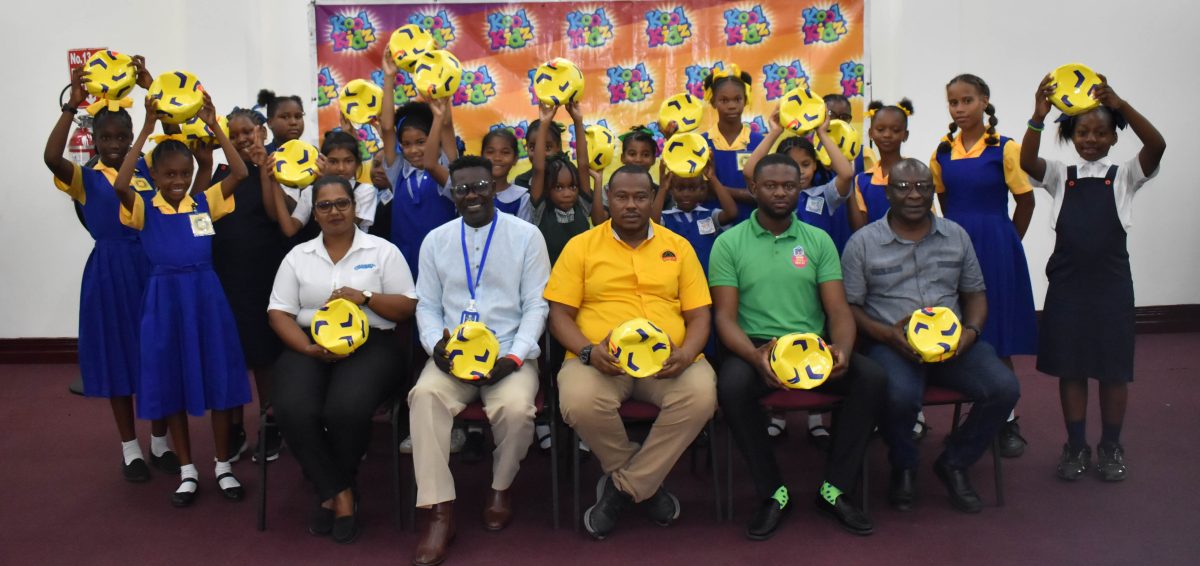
[(436, 535), (498, 510)]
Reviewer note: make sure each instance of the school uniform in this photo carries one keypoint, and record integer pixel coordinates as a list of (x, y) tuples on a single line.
[(419, 204), (515, 200), (818, 206), (559, 226), (728, 161), (1088, 318), (870, 193), (976, 183), (110, 295), (699, 227), (191, 358)]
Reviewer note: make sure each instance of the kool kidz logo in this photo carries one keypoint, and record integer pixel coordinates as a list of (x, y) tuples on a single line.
[(477, 87), (629, 84), (354, 33), (696, 74), (852, 78), (823, 25), (406, 89), (757, 126), (668, 28), (749, 27), (511, 31), (519, 129), (327, 87), (589, 29), (368, 142), (779, 79), (659, 138), (439, 25)]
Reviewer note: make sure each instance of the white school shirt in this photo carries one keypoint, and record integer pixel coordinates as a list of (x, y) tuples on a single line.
[(365, 200), (517, 192), (308, 276), (1129, 179)]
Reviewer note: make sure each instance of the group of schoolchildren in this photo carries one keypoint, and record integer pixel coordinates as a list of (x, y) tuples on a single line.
[(174, 293)]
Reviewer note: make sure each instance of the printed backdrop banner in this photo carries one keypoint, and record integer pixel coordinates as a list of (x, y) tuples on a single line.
[(633, 55)]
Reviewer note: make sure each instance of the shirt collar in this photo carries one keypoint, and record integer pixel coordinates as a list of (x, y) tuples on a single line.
[(316, 245), (649, 232), (878, 177), (1103, 163), (186, 205), (793, 229), (740, 143), (958, 151), (675, 210), (888, 235)]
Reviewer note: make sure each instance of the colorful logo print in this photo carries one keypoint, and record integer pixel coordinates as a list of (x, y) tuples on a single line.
[(439, 25), (823, 25), (852, 78), (518, 129), (571, 133), (589, 29), (509, 31), (355, 33), (670, 28), (327, 87), (746, 27), (695, 77), (406, 89), (369, 143), (629, 84), (477, 87), (757, 126), (779, 79)]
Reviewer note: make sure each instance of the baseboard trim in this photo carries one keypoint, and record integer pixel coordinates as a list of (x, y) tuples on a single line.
[(1160, 319)]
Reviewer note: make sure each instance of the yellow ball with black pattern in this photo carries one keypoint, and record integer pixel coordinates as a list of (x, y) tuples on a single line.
[(340, 327), (640, 347), (296, 164), (472, 350), (110, 75), (934, 333), (558, 82), (801, 360)]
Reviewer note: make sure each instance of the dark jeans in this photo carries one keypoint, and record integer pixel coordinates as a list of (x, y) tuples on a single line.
[(740, 389), (978, 373), (324, 409)]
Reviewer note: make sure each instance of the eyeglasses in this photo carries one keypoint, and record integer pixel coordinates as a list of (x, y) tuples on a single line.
[(342, 204), (479, 188), (905, 188)]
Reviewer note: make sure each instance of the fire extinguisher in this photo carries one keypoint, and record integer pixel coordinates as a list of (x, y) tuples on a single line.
[(81, 148)]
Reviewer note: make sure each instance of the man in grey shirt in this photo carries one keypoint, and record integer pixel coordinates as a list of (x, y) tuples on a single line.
[(908, 260)]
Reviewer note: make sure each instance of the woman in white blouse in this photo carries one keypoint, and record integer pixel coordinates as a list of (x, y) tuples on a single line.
[(323, 401)]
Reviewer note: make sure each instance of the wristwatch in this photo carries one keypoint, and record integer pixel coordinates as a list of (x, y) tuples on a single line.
[(585, 355), (367, 297)]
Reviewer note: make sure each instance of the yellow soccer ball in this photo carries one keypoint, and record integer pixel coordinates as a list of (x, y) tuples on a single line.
[(360, 100), (407, 42), (1073, 86), (296, 164), (558, 81), (683, 109), (198, 133), (934, 333), (848, 140), (111, 75), (179, 94), (801, 360), (640, 347), (437, 73), (340, 327), (602, 146), (801, 110), (686, 155), (473, 350)]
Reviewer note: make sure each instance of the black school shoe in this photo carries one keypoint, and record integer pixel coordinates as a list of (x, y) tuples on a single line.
[(185, 498), (1011, 443), (600, 519), (767, 518), (168, 463), (1110, 461), (135, 471), (1074, 462), (235, 493), (958, 487), (851, 518), (662, 507)]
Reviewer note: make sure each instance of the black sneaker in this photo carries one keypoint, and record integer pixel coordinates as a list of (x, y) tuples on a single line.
[(1110, 461), (769, 516), (168, 463), (237, 443), (662, 507), (1074, 462), (1012, 444), (600, 519), (473, 448), (273, 439), (136, 471)]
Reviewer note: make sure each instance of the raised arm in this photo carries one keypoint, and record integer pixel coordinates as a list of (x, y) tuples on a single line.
[(433, 144), (660, 198), (129, 166), (1031, 144), (56, 144), (387, 118), (237, 167), (204, 168), (838, 162), (774, 130), (585, 166), (537, 181), (1153, 144)]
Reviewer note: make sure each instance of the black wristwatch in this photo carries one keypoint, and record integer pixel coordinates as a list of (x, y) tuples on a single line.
[(585, 355)]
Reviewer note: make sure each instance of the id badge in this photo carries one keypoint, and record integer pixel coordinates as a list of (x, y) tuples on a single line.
[(815, 205), (706, 225), (385, 196), (201, 224), (470, 314)]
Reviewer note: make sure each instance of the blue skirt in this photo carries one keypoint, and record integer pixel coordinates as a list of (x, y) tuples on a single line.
[(1011, 323), (191, 358), (110, 301)]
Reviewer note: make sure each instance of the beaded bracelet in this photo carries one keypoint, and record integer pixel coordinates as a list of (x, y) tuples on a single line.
[(1036, 126)]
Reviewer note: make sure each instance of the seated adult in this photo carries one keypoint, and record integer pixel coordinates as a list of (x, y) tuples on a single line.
[(623, 269), (774, 275), (907, 260), (492, 268), (323, 401)]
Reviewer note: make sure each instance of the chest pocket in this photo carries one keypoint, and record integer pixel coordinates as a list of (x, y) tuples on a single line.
[(877, 271)]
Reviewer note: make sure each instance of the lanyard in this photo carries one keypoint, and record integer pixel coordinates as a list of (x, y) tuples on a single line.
[(472, 283)]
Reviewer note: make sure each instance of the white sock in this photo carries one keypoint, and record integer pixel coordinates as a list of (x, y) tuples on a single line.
[(226, 482), (921, 416), (779, 422), (188, 471), (131, 451), (816, 420), (1012, 415), (159, 446)]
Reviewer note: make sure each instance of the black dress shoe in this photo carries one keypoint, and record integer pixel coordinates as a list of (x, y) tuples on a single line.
[(235, 493), (851, 518), (902, 492), (136, 471), (600, 519), (768, 517), (321, 521), (1011, 443), (345, 529), (168, 463), (184, 498), (958, 486)]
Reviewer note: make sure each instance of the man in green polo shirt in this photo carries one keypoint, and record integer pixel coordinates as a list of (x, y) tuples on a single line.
[(770, 276)]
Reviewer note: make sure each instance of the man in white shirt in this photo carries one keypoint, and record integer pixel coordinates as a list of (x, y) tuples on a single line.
[(492, 268)]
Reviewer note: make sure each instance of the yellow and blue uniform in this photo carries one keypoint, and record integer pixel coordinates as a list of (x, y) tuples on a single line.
[(870, 193), (728, 161), (975, 183), (191, 358), (110, 296)]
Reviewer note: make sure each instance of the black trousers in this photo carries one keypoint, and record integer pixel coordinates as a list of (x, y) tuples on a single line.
[(324, 409), (864, 388)]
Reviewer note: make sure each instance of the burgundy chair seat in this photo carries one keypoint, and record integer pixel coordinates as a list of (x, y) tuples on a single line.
[(638, 411), (799, 400), (935, 395)]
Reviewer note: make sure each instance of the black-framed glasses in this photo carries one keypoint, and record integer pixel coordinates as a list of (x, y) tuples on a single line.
[(342, 204), (904, 188), (478, 187)]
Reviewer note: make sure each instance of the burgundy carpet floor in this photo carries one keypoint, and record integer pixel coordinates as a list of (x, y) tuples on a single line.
[(63, 500)]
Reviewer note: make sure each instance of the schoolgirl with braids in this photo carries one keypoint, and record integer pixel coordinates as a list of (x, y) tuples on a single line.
[(974, 170), (888, 130), (728, 91), (190, 357)]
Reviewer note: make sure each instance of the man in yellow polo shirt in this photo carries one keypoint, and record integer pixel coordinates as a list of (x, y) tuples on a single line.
[(622, 269)]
